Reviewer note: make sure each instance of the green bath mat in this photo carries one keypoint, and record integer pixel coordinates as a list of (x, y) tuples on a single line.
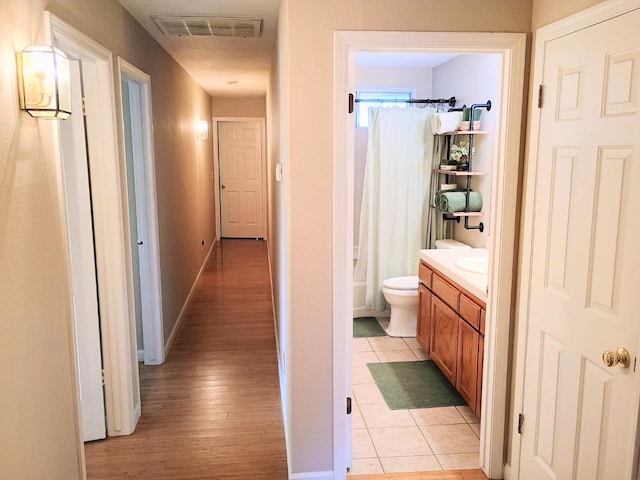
[(367, 327), (407, 385)]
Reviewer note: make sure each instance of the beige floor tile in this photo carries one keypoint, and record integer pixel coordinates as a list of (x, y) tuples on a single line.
[(360, 359), (412, 343), (379, 416), (367, 394), (383, 344), (361, 345), (356, 417), (437, 416), (445, 439), (365, 466), (362, 444), (397, 356), (362, 375), (421, 354), (468, 415), (459, 461), (476, 428), (417, 463), (399, 441)]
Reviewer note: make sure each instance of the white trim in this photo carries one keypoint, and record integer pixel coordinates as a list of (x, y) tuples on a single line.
[(312, 476), (512, 48), (586, 18), (185, 305), (119, 348), (216, 168), (153, 320)]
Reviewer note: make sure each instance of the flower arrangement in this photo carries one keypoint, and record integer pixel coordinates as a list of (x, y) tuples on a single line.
[(459, 150)]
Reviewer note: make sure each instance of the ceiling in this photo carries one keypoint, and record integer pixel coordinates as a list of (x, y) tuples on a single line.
[(235, 66), (223, 66)]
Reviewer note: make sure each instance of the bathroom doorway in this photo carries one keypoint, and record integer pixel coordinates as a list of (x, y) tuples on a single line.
[(510, 48)]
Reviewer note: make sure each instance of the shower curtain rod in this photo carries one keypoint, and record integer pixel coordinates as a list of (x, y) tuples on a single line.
[(451, 101)]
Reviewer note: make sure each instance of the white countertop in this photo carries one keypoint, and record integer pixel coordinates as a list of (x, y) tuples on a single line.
[(445, 262)]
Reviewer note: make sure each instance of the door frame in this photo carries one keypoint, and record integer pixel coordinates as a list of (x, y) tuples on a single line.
[(578, 21), (503, 230), (145, 189), (122, 390), (216, 169)]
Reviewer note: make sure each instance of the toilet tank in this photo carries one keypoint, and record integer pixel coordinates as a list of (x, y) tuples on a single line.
[(450, 244)]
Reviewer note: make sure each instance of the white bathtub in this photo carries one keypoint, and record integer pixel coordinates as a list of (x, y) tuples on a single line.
[(359, 309)]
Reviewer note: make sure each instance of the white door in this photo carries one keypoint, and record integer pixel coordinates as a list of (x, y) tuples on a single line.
[(580, 415), (83, 270), (241, 182)]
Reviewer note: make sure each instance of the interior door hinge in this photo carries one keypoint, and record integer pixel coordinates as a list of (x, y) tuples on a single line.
[(84, 107), (102, 375), (520, 423), (348, 405), (351, 101), (540, 95)]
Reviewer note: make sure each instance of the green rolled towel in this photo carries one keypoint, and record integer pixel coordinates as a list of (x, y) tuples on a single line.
[(452, 201)]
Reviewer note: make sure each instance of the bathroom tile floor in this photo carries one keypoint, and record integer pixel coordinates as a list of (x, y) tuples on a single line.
[(393, 441)]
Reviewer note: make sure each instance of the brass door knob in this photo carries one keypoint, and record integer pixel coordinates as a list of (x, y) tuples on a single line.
[(619, 357)]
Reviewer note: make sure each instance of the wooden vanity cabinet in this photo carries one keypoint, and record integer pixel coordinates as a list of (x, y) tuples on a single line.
[(451, 331)]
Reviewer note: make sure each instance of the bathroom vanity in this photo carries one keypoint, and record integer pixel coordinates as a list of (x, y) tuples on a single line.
[(452, 314)]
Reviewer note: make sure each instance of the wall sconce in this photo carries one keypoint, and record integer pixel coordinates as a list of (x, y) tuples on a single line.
[(202, 130), (44, 82)]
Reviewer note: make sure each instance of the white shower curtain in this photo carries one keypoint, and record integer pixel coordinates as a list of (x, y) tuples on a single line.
[(393, 217)]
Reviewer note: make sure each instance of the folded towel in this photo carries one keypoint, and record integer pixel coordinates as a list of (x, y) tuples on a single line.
[(454, 201), (445, 122)]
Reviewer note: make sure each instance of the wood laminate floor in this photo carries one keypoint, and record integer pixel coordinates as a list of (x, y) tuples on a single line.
[(213, 410)]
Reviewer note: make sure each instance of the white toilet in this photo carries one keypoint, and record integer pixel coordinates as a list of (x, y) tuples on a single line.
[(401, 293)]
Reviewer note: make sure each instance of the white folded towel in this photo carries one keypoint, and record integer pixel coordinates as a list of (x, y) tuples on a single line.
[(445, 122)]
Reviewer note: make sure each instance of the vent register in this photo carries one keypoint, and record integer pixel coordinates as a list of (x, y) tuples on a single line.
[(208, 26)]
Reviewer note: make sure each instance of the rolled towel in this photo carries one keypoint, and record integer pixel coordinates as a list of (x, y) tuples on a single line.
[(445, 122), (454, 201)]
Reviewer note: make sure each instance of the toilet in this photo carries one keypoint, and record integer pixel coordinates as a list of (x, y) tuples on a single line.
[(401, 293)]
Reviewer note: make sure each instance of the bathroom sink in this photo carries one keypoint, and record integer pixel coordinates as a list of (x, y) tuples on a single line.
[(474, 264)]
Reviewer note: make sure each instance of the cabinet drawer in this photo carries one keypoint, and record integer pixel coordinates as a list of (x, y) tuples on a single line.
[(447, 293), (470, 311), (425, 274)]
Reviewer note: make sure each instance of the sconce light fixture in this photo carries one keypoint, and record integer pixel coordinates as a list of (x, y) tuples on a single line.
[(202, 130), (44, 82)]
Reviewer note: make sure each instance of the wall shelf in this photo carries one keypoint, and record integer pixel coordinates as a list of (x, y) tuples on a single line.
[(459, 173)]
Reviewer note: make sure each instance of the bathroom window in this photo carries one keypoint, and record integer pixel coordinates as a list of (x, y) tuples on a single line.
[(368, 100)]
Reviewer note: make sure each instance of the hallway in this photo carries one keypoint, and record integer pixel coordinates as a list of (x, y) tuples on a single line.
[(213, 410)]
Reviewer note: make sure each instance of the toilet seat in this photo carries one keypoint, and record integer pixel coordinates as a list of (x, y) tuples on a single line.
[(402, 283)]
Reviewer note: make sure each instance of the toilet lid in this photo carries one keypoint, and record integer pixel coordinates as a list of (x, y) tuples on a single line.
[(402, 283)]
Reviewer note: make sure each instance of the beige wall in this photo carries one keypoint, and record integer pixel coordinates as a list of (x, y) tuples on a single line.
[(39, 431), (239, 107), (547, 11), (308, 154)]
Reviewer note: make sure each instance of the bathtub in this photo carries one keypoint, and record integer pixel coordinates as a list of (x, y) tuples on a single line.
[(359, 309)]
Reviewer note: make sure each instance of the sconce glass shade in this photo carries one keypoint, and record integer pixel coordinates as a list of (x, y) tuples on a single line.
[(44, 82), (202, 130)]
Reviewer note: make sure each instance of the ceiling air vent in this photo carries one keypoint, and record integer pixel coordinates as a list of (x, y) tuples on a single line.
[(209, 26)]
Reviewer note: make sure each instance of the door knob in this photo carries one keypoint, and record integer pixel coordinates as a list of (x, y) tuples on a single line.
[(139, 242), (223, 187), (619, 357)]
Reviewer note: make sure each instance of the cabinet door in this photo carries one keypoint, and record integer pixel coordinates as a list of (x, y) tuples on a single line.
[(424, 318), (480, 367), (444, 338), (467, 373)]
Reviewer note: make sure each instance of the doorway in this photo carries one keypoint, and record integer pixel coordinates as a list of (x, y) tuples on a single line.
[(135, 94), (240, 176), (120, 373), (502, 231)]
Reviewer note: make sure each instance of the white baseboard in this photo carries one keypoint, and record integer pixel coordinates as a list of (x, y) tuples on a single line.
[(313, 476), (176, 327)]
